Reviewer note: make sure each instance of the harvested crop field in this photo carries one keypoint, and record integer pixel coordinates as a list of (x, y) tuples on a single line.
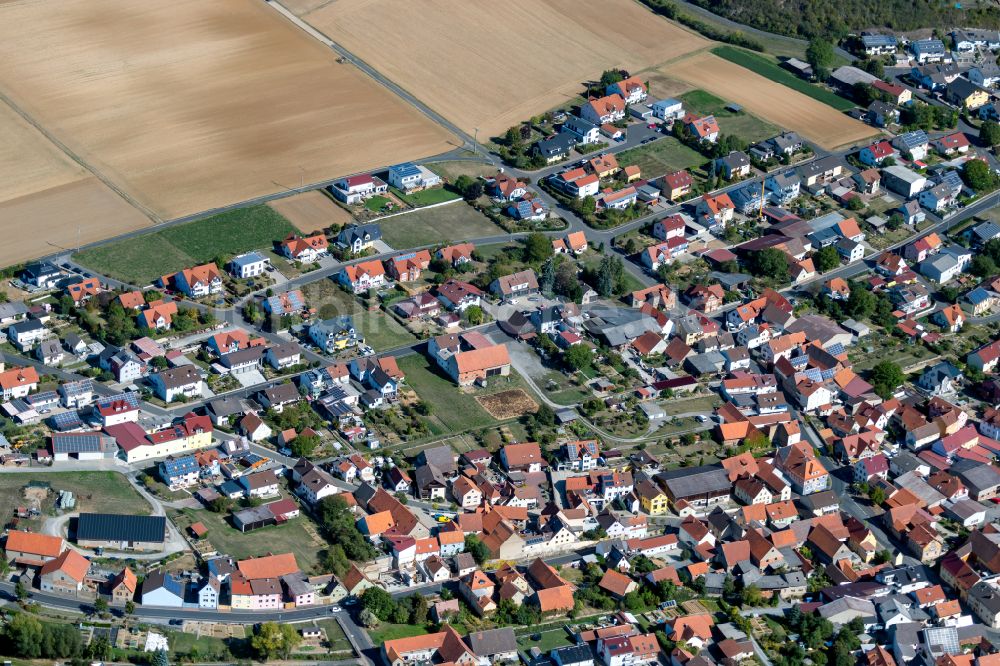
[(493, 64), (190, 105), (770, 100), (48, 202), (508, 404), (63, 218), (311, 211)]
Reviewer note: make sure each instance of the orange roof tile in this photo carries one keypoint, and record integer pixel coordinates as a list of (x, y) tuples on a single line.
[(34, 544)]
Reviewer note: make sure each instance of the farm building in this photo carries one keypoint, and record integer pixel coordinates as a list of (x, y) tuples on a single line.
[(120, 532)]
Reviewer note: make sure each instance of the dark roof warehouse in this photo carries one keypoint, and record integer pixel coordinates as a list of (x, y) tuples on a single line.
[(115, 527)]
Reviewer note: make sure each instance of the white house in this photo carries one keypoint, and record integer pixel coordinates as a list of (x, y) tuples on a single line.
[(355, 189), (410, 177), (668, 109), (248, 265)]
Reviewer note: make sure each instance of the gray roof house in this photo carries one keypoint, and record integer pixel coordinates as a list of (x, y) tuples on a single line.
[(496, 645), (845, 609), (619, 326)]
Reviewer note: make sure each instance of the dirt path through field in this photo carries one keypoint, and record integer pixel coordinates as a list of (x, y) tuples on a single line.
[(491, 65)]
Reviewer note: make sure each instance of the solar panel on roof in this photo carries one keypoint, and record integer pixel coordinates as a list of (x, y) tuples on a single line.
[(814, 374), (77, 443), (66, 421), (45, 397), (836, 349), (131, 399)]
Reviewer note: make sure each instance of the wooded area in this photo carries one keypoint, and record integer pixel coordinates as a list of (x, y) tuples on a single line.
[(836, 18)]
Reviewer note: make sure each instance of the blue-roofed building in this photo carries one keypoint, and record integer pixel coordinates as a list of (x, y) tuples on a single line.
[(179, 472), (928, 50), (980, 300), (162, 589), (77, 394), (248, 265), (879, 44), (334, 334), (990, 112), (43, 400), (410, 177), (914, 144)]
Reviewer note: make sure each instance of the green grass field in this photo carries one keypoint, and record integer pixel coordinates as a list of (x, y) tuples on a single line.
[(382, 331), (550, 639), (770, 69), (376, 203), (379, 329), (428, 197), (142, 259), (293, 536), (662, 156), (455, 410), (97, 492), (744, 125), (388, 632), (688, 405), (438, 225)]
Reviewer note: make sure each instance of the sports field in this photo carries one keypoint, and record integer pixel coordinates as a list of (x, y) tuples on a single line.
[(142, 259), (190, 105), (770, 100), (489, 64)]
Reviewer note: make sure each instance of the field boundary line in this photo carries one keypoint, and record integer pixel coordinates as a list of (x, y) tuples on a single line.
[(79, 160), (377, 76)]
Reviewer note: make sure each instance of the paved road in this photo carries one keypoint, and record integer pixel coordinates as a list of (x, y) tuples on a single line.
[(164, 615)]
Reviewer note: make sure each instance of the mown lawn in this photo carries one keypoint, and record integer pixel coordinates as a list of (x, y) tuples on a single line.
[(745, 125), (456, 410), (664, 155), (389, 632), (770, 69), (382, 331), (376, 203), (428, 197), (142, 259), (455, 223), (293, 536), (379, 329)]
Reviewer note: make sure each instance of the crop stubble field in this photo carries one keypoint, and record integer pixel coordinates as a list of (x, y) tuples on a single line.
[(48, 202), (189, 106), (770, 100), (491, 65), (311, 211)]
